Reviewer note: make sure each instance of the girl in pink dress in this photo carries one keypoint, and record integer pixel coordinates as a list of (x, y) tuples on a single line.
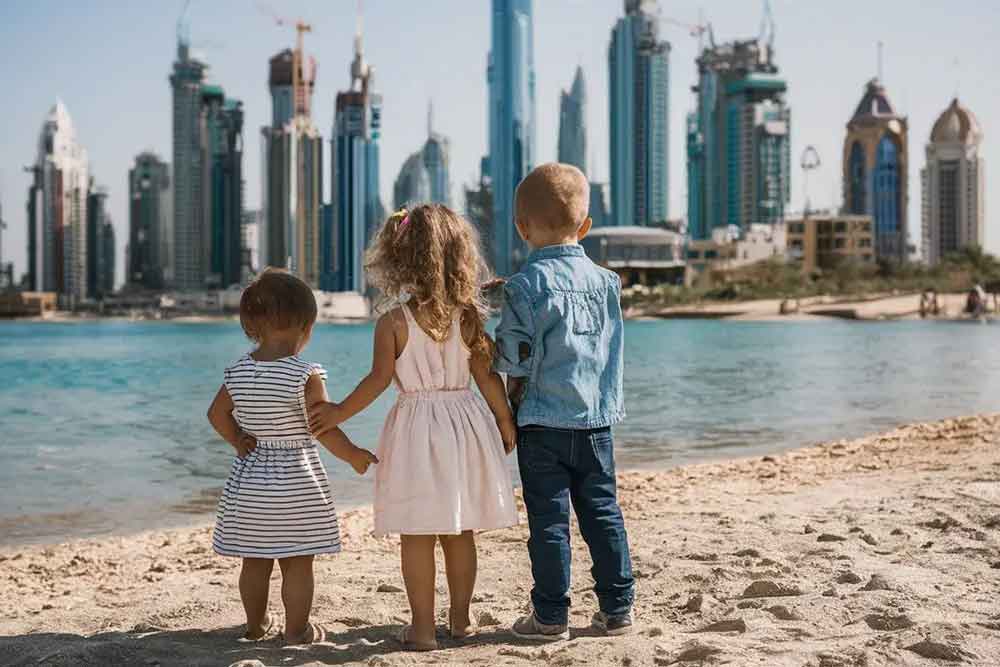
[(442, 472)]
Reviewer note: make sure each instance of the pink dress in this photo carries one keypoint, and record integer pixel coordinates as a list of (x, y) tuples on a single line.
[(442, 467)]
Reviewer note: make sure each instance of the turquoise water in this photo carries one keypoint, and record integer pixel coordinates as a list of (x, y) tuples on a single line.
[(102, 425)]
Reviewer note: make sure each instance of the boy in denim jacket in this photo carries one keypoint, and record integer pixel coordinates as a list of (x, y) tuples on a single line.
[(560, 343)]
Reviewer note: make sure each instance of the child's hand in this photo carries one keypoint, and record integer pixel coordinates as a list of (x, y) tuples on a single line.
[(324, 417), (361, 459), (508, 433), (245, 443)]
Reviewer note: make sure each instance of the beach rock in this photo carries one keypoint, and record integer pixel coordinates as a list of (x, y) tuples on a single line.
[(764, 588), (388, 588), (897, 531), (695, 652), (868, 539), (829, 593), (888, 622), (941, 524), (158, 567), (693, 605), (848, 577), (486, 619), (725, 625), (926, 545), (749, 604), (938, 651), (808, 530), (654, 632), (877, 583), (747, 553), (783, 613), (830, 537)]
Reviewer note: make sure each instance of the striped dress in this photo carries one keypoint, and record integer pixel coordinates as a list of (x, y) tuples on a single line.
[(276, 502)]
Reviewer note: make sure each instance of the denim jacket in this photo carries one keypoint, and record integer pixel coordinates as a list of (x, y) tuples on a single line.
[(561, 330)]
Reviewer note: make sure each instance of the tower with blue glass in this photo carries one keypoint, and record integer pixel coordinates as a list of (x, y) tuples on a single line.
[(738, 137), (511, 80), (355, 185), (639, 101), (875, 165)]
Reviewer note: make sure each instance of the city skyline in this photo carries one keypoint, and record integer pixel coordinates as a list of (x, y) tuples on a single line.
[(920, 87)]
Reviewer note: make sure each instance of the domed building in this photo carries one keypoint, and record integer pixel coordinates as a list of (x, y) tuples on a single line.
[(875, 170), (953, 185)]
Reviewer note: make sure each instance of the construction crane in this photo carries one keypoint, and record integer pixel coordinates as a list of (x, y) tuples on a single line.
[(300, 93), (696, 30)]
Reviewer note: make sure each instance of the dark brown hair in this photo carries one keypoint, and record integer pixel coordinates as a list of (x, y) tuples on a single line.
[(433, 255), (276, 300)]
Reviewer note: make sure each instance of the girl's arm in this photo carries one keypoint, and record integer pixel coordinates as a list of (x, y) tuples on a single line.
[(492, 389), (335, 440), (220, 416), (326, 415)]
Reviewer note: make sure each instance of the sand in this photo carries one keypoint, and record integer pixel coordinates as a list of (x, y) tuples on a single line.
[(878, 551)]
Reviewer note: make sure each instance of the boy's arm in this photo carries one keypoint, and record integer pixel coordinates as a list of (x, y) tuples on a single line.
[(326, 415), (515, 342), (220, 416), (335, 440)]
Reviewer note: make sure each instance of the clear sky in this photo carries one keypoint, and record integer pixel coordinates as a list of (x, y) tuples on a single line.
[(108, 60)]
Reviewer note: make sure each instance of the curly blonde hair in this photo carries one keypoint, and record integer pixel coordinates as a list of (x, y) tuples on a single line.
[(433, 255)]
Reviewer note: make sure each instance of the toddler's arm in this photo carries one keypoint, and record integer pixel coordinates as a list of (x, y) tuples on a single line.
[(327, 415), (220, 416), (335, 440), (492, 389)]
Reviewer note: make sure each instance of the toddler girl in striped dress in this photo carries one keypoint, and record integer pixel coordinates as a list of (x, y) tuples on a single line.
[(276, 503)]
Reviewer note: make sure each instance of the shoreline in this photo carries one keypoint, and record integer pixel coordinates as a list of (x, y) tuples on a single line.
[(873, 551)]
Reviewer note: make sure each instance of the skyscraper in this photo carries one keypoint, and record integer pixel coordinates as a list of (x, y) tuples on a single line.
[(293, 164), (479, 208), (573, 123), (100, 264), (252, 243), (511, 79), (424, 176), (355, 148), (954, 185), (190, 195), (639, 101), (57, 210), (224, 134), (738, 138), (876, 156), (150, 219)]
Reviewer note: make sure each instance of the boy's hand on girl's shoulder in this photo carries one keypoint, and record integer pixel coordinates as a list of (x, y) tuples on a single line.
[(362, 459), (508, 433), (245, 443), (324, 417)]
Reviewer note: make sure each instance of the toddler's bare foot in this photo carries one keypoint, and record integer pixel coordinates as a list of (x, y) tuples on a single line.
[(462, 626), (313, 633), (259, 632), (411, 641)]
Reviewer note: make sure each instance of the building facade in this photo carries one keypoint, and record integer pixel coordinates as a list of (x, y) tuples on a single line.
[(639, 102), (57, 210), (224, 123), (875, 162), (479, 209), (953, 186), (253, 223), (738, 138), (293, 172), (512, 124), (189, 169), (150, 222), (824, 241), (639, 255), (100, 244), (573, 123), (357, 127), (425, 175), (732, 248)]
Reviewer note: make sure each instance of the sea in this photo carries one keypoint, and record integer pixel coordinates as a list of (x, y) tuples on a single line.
[(103, 428)]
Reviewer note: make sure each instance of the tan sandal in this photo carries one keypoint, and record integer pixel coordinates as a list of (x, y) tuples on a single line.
[(268, 625), (404, 638), (313, 634)]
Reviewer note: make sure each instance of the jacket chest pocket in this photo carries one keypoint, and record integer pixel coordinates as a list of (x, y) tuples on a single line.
[(586, 314)]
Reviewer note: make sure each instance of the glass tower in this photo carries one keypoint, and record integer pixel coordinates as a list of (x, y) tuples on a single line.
[(639, 67), (573, 123), (511, 80)]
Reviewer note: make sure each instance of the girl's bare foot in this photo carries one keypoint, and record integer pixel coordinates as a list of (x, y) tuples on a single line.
[(258, 633), (408, 638), (462, 626), (313, 633)]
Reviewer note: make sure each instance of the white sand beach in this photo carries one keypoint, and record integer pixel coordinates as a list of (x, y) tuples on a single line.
[(879, 551)]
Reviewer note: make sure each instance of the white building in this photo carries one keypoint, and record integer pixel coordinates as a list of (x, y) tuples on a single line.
[(57, 210), (953, 185)]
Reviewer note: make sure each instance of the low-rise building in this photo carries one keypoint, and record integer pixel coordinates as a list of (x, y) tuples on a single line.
[(639, 255), (822, 241), (730, 249)]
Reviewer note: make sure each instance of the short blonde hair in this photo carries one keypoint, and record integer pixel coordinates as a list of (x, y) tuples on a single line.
[(555, 195), (276, 300)]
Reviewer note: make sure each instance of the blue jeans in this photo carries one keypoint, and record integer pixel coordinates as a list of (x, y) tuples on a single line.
[(559, 466)]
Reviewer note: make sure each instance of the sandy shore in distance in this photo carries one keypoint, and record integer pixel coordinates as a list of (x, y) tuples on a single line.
[(878, 551)]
